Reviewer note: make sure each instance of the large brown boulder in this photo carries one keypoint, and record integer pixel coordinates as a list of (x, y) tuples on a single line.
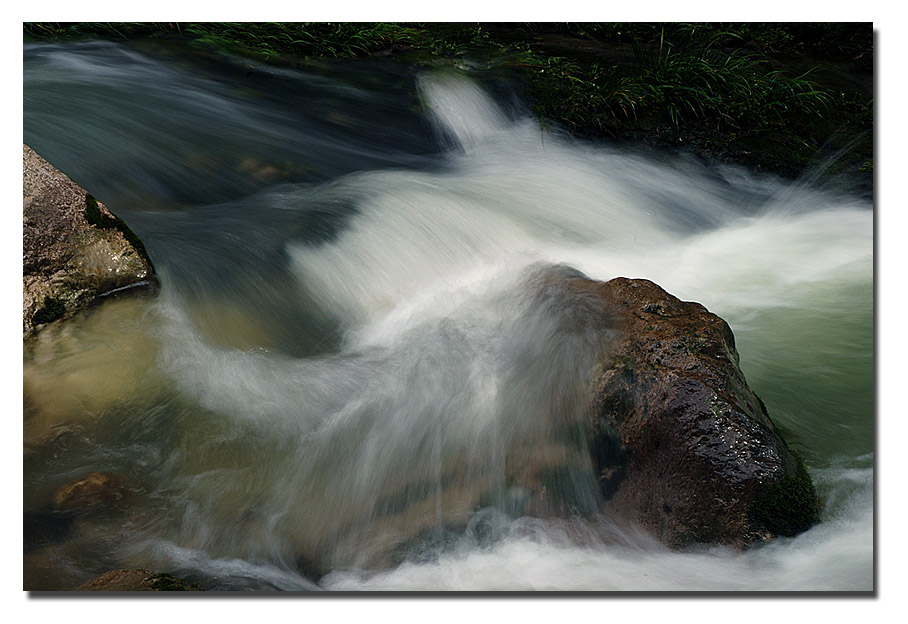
[(682, 446), (73, 249), (671, 440)]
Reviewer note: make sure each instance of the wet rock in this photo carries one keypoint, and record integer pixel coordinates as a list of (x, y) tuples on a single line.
[(682, 446), (95, 492), (137, 580), (73, 249)]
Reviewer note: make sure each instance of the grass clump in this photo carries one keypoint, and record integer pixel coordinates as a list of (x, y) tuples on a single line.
[(323, 39), (774, 102), (273, 40), (681, 79), (695, 81)]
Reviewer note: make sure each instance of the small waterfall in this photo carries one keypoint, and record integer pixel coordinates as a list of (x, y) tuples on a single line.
[(461, 108)]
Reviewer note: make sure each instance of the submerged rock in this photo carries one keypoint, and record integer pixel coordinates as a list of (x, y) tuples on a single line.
[(73, 249), (97, 491), (682, 446), (137, 580)]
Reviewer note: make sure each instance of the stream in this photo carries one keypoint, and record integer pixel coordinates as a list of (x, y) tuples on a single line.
[(344, 351)]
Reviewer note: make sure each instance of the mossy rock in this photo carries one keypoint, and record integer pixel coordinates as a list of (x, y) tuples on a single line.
[(97, 218), (788, 506), (74, 250), (166, 582), (683, 448), (137, 580)]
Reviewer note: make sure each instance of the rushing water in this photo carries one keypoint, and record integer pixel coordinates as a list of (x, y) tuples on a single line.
[(360, 344)]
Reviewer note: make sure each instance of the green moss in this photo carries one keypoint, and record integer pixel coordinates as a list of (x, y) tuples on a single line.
[(52, 309), (166, 582), (96, 218), (788, 506)]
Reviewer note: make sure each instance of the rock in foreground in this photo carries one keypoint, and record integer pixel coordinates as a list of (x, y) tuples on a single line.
[(73, 249), (136, 580), (682, 446), (668, 437)]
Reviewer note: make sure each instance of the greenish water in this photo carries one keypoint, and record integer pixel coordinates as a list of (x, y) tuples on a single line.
[(814, 373)]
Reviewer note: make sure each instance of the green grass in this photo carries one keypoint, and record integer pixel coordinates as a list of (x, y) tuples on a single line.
[(272, 40), (79, 30), (304, 38), (682, 80), (768, 104)]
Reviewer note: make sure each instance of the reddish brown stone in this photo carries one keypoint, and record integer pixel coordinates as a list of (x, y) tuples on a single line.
[(682, 445), (97, 491), (136, 580), (120, 580)]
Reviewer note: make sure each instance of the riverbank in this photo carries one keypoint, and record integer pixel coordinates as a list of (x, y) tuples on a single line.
[(794, 100)]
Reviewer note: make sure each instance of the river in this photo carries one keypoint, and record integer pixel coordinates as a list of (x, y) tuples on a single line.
[(345, 250)]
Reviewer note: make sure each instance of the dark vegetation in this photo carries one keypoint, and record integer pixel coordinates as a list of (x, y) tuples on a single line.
[(794, 99)]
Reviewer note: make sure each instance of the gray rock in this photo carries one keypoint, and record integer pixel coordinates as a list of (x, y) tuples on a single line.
[(74, 249)]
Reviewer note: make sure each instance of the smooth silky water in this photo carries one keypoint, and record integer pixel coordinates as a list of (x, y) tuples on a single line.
[(363, 343)]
